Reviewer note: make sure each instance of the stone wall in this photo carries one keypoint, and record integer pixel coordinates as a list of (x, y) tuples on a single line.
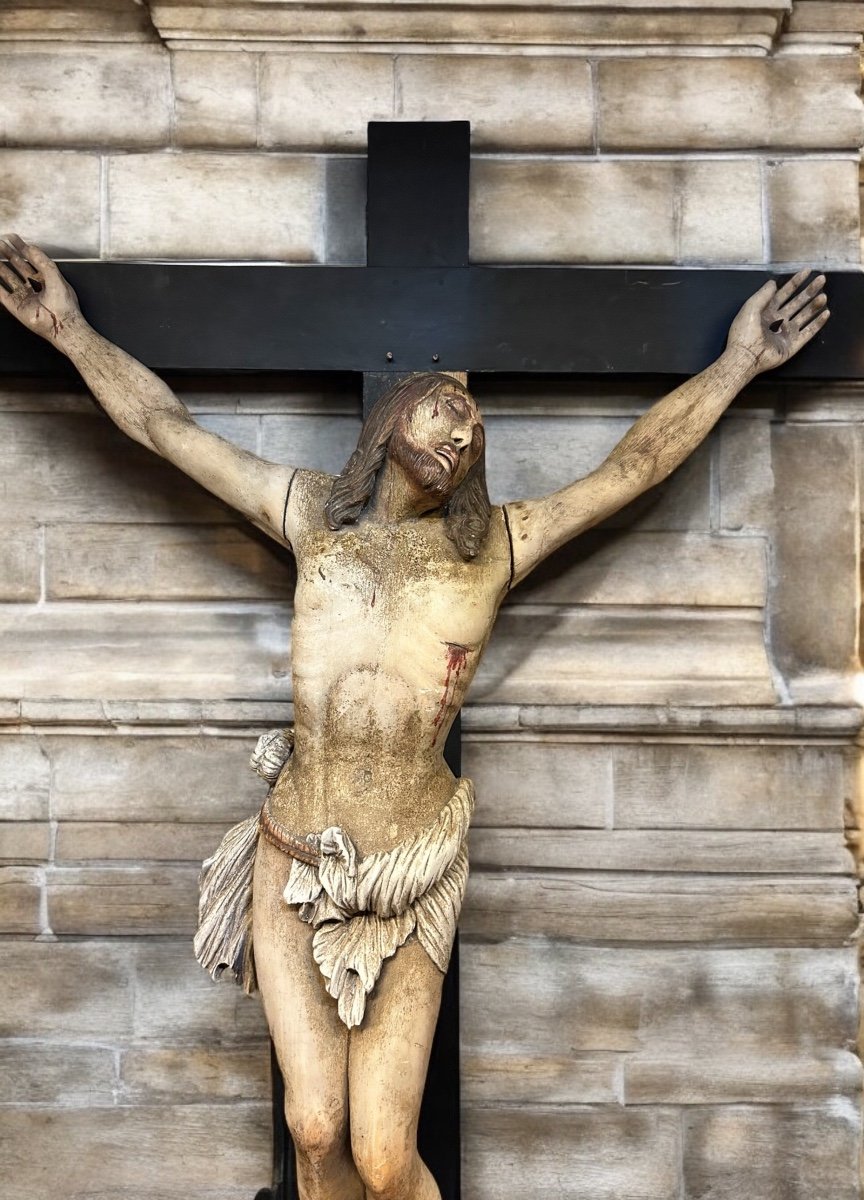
[(660, 981)]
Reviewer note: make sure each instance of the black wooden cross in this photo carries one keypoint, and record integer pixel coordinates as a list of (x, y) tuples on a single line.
[(417, 306)]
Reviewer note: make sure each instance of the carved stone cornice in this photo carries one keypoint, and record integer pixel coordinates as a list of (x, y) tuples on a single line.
[(84, 21), (626, 26), (748, 26)]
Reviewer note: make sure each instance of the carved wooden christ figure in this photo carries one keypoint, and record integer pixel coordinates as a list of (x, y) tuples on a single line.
[(402, 566)]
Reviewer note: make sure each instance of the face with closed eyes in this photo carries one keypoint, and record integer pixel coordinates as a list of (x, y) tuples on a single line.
[(438, 440)]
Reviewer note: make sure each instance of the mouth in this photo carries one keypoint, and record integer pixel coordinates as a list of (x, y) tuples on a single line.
[(449, 455)]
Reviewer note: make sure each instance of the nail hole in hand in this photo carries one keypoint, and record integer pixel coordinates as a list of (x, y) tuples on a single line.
[(36, 285), (776, 326)]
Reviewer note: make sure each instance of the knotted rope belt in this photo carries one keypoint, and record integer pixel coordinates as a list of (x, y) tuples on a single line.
[(277, 835)]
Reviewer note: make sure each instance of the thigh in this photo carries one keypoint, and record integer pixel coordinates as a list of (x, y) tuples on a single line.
[(389, 1052), (311, 1042)]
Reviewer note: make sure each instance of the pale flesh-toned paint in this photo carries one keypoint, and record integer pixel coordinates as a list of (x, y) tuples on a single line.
[(390, 624)]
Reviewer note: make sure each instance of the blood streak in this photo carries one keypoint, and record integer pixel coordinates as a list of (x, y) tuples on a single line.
[(457, 656)]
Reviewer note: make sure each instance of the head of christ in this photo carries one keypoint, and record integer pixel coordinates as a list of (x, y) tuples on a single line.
[(430, 426)]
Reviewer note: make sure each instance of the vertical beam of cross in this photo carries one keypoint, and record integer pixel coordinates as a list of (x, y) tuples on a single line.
[(416, 216)]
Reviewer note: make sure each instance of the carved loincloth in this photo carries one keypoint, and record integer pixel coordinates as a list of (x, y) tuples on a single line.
[(361, 908)]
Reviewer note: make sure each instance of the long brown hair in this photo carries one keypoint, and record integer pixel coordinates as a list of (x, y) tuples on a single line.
[(468, 510)]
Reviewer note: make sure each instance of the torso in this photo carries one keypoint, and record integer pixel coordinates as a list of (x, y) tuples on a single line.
[(389, 627)]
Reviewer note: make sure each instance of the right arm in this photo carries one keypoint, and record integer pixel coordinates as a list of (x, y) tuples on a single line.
[(134, 398)]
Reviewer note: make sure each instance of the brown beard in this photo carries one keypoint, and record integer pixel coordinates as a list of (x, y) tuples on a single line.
[(421, 465)]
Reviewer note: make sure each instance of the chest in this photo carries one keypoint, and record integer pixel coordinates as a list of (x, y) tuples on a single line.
[(400, 587)]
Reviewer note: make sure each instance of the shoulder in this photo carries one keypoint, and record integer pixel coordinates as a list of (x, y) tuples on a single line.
[(306, 495)]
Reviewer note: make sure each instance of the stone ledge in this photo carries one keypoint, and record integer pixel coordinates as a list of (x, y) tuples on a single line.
[(748, 26), (237, 717)]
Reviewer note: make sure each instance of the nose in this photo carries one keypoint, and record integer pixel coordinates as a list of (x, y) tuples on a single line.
[(460, 435)]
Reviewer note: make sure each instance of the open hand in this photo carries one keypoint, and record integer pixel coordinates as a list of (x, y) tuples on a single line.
[(33, 290), (774, 324)]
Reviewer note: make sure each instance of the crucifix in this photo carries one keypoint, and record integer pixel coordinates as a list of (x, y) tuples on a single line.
[(348, 933)]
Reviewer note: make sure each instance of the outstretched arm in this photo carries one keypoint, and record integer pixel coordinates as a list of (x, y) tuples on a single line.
[(33, 290), (771, 327)]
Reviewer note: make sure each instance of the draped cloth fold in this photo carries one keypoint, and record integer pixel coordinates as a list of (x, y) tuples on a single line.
[(364, 908), (361, 908)]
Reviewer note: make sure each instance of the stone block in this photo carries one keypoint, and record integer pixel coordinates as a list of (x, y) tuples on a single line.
[(165, 562), (721, 212), (25, 841), (77, 466), (537, 997), (112, 901), (215, 98), (521, 783), (783, 1150), (625, 656), (723, 910), (20, 899), (202, 205), (729, 787), (571, 448), (25, 773), (170, 652), (814, 626), (602, 1153), (20, 562), (544, 211), (619, 567), (155, 1152), (91, 21), (196, 1074), (514, 102), (745, 475), (62, 992), (323, 101), (315, 441), (52, 198), (86, 96), (686, 103), (168, 779), (177, 1001), (750, 852), (813, 212), (135, 841), (720, 1078), (514, 1078), (77, 1076)]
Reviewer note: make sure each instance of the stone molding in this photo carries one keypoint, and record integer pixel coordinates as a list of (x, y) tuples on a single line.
[(706, 26)]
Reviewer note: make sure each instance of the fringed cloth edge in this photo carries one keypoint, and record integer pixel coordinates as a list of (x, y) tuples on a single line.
[(362, 909)]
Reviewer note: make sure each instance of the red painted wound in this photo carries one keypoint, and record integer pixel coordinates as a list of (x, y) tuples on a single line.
[(457, 656)]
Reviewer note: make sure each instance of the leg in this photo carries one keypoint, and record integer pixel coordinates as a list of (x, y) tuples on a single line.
[(388, 1058), (311, 1042)]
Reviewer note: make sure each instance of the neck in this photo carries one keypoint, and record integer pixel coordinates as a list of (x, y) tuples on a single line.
[(397, 497)]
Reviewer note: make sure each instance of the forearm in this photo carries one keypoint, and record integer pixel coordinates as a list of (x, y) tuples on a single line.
[(132, 396), (672, 428)]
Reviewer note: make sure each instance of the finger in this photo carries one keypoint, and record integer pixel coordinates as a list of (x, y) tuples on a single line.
[(9, 279), (39, 258), (24, 268), (797, 302), (812, 329), (791, 286), (808, 313)]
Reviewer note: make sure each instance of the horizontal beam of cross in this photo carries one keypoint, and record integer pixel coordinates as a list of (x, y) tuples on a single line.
[(522, 320)]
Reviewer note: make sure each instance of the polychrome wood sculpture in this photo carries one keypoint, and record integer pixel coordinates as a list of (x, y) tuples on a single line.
[(359, 852)]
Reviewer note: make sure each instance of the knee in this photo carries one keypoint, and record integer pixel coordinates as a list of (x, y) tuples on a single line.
[(386, 1166), (319, 1138)]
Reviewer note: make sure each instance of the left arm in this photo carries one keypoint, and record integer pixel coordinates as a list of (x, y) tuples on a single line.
[(771, 327)]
